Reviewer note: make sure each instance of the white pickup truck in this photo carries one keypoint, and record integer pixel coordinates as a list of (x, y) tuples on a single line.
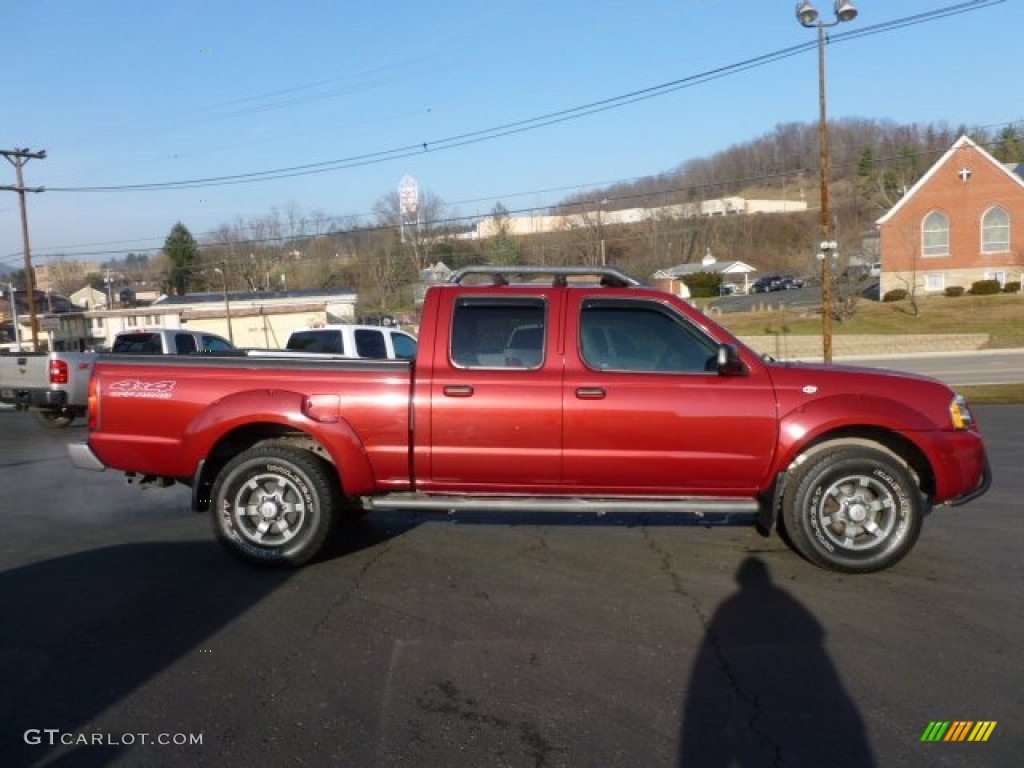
[(365, 341), (54, 386)]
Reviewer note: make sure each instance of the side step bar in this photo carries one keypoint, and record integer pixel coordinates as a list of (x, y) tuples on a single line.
[(692, 506)]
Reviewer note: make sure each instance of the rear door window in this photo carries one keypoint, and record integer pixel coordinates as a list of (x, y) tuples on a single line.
[(370, 343), (499, 333), (184, 343)]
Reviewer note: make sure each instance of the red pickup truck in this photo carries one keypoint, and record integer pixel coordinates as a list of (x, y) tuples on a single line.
[(565, 389)]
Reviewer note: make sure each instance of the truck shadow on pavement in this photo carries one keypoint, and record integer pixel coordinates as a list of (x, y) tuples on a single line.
[(81, 632)]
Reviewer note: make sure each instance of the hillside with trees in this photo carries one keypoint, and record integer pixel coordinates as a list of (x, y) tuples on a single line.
[(873, 163)]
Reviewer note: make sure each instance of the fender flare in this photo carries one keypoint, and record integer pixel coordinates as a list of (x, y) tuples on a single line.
[(246, 418)]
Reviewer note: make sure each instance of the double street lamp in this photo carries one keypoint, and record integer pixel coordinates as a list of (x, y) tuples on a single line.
[(808, 16)]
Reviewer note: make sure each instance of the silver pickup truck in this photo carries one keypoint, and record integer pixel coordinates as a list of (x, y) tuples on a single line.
[(54, 386)]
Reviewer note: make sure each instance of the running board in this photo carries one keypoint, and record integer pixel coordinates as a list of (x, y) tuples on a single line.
[(691, 506)]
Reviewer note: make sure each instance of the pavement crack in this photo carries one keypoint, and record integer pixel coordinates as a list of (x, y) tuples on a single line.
[(443, 698), (713, 641)]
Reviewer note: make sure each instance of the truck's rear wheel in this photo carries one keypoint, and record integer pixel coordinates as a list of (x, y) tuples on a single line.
[(54, 418), (853, 509), (274, 505)]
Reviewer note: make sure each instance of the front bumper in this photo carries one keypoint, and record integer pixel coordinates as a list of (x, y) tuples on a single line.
[(82, 457), (983, 485)]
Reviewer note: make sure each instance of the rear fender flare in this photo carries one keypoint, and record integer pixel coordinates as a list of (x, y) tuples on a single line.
[(235, 423)]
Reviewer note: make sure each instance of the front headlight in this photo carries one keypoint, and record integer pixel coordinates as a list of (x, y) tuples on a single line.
[(960, 413)]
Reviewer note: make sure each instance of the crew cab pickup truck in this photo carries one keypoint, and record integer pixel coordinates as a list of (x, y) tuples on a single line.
[(54, 386), (534, 389)]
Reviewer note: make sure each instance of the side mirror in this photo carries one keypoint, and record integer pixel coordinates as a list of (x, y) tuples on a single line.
[(728, 362)]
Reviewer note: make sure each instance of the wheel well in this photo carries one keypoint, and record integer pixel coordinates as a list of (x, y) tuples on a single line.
[(242, 439), (892, 443)]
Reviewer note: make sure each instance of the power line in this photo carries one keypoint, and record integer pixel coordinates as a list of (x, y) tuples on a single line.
[(684, 186), (534, 123)]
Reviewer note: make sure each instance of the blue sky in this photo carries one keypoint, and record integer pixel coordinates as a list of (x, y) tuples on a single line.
[(127, 93)]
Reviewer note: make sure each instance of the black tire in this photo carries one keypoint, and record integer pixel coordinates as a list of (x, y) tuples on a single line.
[(55, 418), (274, 505), (853, 509)]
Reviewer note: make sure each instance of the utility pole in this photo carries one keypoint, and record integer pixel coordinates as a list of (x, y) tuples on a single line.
[(18, 158), (14, 316)]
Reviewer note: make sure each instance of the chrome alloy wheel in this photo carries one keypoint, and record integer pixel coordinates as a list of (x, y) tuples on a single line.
[(857, 512), (269, 510)]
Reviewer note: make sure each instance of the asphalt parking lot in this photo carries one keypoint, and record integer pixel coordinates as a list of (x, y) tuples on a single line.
[(129, 638)]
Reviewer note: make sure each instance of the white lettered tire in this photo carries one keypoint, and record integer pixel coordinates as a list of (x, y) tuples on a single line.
[(274, 505), (853, 509)]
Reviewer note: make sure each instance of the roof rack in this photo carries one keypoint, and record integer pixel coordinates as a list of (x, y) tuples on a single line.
[(610, 276)]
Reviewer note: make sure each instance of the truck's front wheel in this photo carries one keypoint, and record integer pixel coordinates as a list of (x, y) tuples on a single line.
[(853, 509), (274, 505)]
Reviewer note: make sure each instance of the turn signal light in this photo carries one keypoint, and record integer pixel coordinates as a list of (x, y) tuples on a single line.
[(960, 413)]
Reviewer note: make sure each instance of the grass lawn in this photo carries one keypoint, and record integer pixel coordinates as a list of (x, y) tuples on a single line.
[(1001, 315), (993, 394)]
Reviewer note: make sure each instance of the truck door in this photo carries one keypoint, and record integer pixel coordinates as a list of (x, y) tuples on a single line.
[(495, 414), (646, 410)]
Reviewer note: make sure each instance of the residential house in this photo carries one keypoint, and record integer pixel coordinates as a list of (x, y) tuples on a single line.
[(962, 222), (89, 298), (735, 273)]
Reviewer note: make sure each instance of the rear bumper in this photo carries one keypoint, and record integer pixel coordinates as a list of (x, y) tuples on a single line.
[(82, 457), (51, 398)]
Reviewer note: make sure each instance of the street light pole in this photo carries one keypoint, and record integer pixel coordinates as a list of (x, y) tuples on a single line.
[(227, 305), (808, 16)]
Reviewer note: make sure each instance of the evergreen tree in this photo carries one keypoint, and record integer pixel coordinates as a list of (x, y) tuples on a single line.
[(183, 251), (503, 248), (1009, 147)]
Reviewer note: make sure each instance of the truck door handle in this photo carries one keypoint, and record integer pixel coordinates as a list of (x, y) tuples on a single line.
[(458, 390), (590, 393)]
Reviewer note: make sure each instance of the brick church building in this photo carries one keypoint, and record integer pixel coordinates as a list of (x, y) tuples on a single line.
[(963, 221)]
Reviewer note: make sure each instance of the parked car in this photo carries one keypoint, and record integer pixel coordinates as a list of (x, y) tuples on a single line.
[(875, 270), (767, 283), (791, 281)]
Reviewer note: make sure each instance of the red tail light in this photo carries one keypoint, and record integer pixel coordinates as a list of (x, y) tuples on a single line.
[(94, 403), (58, 372)]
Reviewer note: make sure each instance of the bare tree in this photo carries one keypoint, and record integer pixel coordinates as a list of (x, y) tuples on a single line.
[(417, 236)]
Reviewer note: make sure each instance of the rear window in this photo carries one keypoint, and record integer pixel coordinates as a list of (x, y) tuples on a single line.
[(498, 333), (316, 341)]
